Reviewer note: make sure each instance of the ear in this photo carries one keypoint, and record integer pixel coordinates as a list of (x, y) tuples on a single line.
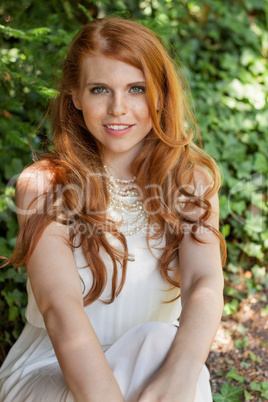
[(75, 98)]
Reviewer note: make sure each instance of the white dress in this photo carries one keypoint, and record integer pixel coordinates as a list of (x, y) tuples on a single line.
[(135, 332)]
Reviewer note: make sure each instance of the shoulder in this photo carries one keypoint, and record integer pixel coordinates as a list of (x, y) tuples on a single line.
[(205, 192), (35, 180), (37, 176), (203, 180), (206, 187)]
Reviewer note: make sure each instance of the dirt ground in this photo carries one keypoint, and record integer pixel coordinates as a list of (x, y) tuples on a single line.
[(242, 344)]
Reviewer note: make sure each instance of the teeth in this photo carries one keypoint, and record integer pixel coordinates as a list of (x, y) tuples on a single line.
[(116, 127)]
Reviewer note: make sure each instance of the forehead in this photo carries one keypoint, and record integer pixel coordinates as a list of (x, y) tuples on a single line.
[(99, 68)]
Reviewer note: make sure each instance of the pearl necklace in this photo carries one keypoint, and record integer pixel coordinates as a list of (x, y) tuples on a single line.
[(136, 217), (115, 180)]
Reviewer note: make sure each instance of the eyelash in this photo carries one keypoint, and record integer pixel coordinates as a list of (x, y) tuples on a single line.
[(96, 90), (141, 89)]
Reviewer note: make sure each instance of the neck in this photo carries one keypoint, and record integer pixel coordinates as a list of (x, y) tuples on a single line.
[(119, 166)]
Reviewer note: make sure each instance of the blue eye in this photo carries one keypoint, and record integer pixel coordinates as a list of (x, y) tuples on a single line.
[(98, 90), (138, 89)]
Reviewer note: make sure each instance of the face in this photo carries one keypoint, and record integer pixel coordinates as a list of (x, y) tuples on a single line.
[(112, 98)]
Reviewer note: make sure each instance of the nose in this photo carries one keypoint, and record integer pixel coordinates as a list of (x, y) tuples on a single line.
[(118, 105)]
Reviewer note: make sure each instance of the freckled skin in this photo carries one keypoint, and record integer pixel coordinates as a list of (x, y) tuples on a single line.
[(113, 93)]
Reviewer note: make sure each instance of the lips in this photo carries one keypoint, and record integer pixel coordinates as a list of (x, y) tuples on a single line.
[(118, 129), (117, 126)]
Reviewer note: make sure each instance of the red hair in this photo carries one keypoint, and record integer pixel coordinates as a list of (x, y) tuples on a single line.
[(167, 161)]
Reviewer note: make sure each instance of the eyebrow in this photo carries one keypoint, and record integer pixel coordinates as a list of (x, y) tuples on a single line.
[(90, 84)]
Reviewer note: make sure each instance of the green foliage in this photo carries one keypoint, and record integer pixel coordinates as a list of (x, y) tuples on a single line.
[(241, 343), (231, 307), (233, 392), (233, 374), (261, 388), (229, 393), (12, 303), (223, 49)]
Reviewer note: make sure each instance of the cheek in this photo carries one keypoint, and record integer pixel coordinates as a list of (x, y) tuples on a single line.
[(146, 115), (142, 110), (92, 112)]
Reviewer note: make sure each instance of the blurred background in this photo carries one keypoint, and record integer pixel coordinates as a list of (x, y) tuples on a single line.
[(221, 48)]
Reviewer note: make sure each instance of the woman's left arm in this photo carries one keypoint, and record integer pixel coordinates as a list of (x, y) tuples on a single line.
[(202, 303)]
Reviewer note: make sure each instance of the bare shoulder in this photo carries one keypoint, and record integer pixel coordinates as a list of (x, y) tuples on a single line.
[(203, 180), (204, 189), (34, 181), (39, 175)]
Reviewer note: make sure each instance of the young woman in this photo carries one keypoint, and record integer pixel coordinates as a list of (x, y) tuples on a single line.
[(117, 225)]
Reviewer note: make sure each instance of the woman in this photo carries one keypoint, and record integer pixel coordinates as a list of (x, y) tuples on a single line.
[(116, 225)]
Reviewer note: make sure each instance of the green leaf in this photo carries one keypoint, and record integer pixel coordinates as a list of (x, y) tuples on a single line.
[(232, 291), (254, 357), (241, 343), (239, 207), (247, 57), (85, 11), (242, 330), (224, 206), (13, 313), (225, 230), (233, 374), (264, 311), (255, 386), (258, 272), (13, 168), (41, 31), (260, 162), (48, 92), (228, 393), (247, 395), (265, 385), (230, 308), (15, 33)]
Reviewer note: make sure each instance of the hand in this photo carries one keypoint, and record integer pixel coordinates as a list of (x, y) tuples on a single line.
[(169, 386)]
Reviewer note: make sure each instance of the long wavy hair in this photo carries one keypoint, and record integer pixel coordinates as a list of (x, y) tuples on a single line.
[(164, 168)]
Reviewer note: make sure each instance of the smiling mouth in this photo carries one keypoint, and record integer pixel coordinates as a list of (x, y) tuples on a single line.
[(118, 127)]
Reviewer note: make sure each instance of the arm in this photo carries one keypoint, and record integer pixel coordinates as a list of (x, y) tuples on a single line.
[(202, 303), (58, 292)]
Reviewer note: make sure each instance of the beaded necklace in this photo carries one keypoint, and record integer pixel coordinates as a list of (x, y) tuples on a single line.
[(126, 207)]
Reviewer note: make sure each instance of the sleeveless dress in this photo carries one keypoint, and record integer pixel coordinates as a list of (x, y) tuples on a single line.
[(135, 332)]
